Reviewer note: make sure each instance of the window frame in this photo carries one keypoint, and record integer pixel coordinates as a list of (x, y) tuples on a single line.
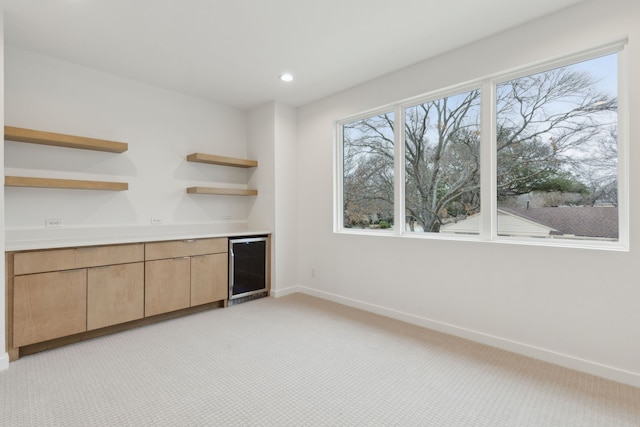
[(338, 216), (434, 96), (488, 155)]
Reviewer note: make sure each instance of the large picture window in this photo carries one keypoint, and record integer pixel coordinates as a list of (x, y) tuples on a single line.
[(551, 141)]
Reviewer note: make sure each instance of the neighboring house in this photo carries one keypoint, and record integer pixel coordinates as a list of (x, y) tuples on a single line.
[(568, 222)]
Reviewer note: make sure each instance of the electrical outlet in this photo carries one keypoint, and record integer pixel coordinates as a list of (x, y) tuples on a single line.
[(314, 273), (53, 223), (156, 221), (226, 218)]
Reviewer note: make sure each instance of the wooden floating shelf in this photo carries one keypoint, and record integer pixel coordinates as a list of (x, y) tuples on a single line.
[(222, 191), (220, 160), (61, 140), (21, 181)]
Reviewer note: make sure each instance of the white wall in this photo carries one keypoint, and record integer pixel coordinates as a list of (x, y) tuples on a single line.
[(578, 308), (262, 139), (161, 127), (4, 357), (286, 215), (272, 138)]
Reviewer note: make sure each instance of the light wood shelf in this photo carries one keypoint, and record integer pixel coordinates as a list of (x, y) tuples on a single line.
[(220, 160), (22, 181), (221, 191), (61, 140)]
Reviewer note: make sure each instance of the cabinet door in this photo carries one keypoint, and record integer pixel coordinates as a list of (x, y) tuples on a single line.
[(209, 278), (49, 305), (115, 294), (167, 285)]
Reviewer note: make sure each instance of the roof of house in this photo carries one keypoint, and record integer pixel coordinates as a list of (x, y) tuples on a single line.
[(582, 221), (569, 221), (509, 224)]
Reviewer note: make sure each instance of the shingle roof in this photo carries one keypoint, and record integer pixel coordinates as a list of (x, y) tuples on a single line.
[(600, 221)]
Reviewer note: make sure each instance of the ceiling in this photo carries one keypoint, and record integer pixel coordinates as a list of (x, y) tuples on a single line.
[(232, 51)]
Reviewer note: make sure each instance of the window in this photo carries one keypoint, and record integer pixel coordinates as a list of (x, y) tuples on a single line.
[(442, 162), (367, 172), (551, 135), (557, 152)]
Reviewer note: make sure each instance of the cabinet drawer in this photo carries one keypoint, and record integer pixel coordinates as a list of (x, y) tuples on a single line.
[(72, 258), (182, 248)]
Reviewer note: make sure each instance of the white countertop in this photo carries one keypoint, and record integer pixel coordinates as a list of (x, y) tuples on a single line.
[(46, 238)]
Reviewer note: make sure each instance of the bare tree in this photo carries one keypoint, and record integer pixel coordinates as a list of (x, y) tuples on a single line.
[(600, 171), (546, 125), (555, 131), (442, 162), (368, 171)]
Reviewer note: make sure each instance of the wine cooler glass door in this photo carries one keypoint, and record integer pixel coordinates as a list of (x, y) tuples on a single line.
[(247, 266)]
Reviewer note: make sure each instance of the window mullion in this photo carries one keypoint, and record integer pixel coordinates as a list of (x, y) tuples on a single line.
[(338, 174), (488, 173), (623, 147), (399, 172)]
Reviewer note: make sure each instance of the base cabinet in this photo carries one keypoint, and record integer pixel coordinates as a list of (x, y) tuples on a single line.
[(115, 294), (48, 306), (185, 273), (209, 278), (57, 293), (59, 296), (167, 285)]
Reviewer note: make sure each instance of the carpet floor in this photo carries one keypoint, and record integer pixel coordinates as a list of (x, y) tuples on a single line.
[(300, 361)]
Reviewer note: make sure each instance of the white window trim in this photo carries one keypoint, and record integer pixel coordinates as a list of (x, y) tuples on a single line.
[(338, 171), (488, 156)]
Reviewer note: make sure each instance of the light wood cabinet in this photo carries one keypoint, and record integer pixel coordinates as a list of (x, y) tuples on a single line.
[(59, 296), (48, 306), (182, 248), (115, 294), (167, 285), (209, 278), (62, 292), (184, 273), (72, 258)]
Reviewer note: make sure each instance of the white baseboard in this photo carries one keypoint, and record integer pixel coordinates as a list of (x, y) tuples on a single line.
[(284, 292), (567, 361), (4, 361)]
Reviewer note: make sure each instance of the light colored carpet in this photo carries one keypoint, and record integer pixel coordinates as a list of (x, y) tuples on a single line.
[(300, 361)]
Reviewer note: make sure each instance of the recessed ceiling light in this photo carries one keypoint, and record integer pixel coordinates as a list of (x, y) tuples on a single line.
[(286, 77)]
